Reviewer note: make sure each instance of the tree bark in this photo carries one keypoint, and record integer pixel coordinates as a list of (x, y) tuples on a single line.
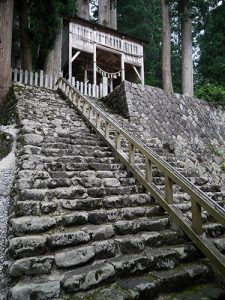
[(166, 49), (186, 48), (25, 44), (113, 16), (83, 9), (107, 13), (54, 58), (6, 22)]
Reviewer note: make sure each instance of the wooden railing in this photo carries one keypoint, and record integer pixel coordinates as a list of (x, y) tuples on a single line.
[(121, 143), (34, 78), (84, 37), (40, 79)]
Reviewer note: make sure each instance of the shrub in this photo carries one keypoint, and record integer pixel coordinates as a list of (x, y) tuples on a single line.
[(212, 93)]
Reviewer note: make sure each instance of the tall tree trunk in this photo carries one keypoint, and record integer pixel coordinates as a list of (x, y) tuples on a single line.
[(25, 44), (53, 61), (113, 15), (166, 49), (6, 22), (107, 13), (104, 12), (83, 9), (186, 48)]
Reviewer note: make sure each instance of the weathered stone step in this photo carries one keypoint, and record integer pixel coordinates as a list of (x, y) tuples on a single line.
[(203, 291), (101, 216), (152, 284), (146, 286), (119, 252), (119, 201), (214, 230), (78, 192)]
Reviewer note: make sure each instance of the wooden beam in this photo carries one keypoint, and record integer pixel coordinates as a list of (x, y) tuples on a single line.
[(136, 71), (75, 56)]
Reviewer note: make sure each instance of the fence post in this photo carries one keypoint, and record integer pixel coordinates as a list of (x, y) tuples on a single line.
[(89, 89), (85, 88), (15, 75), (31, 78), (41, 78), (50, 82), (46, 81), (26, 77), (36, 79), (21, 76)]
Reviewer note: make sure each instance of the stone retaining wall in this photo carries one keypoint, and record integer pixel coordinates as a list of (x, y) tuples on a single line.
[(189, 127)]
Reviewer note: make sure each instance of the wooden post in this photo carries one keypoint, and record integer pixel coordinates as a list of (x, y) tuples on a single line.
[(94, 69), (21, 76), (41, 78), (31, 78), (85, 76), (15, 75), (36, 79), (111, 85), (26, 77), (131, 153), (122, 68), (196, 217), (107, 127), (118, 141), (70, 52), (98, 121), (168, 190), (148, 170), (142, 72)]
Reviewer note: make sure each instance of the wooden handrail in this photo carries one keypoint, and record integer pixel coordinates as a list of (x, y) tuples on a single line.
[(102, 124)]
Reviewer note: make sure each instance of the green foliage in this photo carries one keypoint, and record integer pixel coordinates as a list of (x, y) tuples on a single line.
[(211, 93), (8, 110), (45, 22), (142, 19), (212, 45), (222, 166)]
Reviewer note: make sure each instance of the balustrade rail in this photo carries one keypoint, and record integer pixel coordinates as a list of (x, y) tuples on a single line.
[(128, 149), (40, 79)]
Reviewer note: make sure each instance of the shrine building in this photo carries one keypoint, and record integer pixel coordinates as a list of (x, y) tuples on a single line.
[(100, 56)]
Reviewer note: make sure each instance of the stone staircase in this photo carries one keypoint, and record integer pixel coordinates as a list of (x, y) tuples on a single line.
[(82, 227)]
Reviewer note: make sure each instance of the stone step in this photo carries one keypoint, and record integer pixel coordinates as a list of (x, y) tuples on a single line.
[(108, 202), (151, 285), (203, 291), (145, 286)]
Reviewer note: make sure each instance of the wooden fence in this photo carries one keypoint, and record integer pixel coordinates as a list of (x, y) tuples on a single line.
[(40, 79)]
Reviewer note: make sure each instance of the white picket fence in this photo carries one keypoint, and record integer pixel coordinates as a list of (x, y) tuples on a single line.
[(34, 78), (48, 81), (89, 89)]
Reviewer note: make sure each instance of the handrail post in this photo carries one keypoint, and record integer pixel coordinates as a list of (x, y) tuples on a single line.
[(84, 110), (196, 217), (131, 153), (168, 190), (118, 141), (148, 170), (107, 126), (90, 113), (98, 121)]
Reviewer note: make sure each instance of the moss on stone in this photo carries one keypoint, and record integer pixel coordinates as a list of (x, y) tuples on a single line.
[(6, 141), (8, 113)]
